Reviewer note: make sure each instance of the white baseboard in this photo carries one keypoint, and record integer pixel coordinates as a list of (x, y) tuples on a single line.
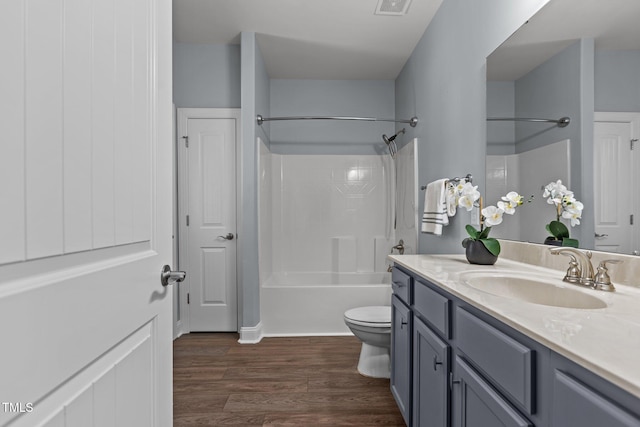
[(251, 334)]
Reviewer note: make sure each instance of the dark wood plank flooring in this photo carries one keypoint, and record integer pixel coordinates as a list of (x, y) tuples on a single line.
[(305, 381)]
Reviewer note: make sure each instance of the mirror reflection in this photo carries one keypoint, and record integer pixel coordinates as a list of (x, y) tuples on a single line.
[(579, 60)]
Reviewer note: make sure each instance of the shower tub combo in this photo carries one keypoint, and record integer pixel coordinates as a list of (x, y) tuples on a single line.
[(327, 224)]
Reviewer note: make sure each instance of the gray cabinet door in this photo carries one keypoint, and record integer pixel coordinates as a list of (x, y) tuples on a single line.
[(575, 404), (430, 374), (401, 356), (477, 404)]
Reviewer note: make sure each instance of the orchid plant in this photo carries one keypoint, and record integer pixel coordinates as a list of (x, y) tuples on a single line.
[(468, 197), (567, 207)]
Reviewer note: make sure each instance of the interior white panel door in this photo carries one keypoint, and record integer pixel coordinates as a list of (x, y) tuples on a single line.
[(613, 187), (210, 237), (85, 227)]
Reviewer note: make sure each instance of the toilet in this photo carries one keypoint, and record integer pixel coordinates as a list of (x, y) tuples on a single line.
[(372, 326)]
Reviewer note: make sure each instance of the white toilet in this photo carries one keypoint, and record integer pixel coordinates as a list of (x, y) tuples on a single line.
[(372, 325)]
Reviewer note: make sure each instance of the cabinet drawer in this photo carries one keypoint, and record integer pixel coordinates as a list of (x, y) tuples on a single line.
[(505, 361), (401, 285), (432, 307)]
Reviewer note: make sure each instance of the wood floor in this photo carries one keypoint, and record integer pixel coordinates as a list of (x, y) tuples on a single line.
[(306, 381)]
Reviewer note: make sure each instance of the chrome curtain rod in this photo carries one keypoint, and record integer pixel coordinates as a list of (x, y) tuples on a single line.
[(561, 122), (413, 121)]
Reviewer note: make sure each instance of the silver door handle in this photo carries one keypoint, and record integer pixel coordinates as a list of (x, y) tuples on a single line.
[(168, 277), (229, 236), (601, 235)]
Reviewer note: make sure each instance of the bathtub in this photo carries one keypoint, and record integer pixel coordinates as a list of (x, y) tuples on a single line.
[(294, 304)]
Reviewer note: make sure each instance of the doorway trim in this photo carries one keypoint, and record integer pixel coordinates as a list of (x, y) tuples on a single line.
[(181, 321), (633, 118)]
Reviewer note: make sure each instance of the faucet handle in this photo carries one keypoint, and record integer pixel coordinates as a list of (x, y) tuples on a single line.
[(573, 272), (602, 279)]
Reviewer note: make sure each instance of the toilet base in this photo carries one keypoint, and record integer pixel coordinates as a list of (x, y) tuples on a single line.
[(375, 362)]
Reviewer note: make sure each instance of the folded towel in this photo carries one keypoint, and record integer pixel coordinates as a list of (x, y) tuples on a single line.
[(451, 199), (435, 207)]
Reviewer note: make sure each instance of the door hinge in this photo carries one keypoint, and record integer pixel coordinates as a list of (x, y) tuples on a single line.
[(186, 141), (633, 143), (188, 299), (187, 220), (631, 219)]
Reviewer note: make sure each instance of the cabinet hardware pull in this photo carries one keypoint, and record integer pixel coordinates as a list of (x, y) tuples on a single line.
[(436, 363), (452, 381)]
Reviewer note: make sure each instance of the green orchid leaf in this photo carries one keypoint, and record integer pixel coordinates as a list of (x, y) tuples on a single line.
[(558, 230), (548, 229), (484, 234), (570, 242), (492, 245), (473, 233)]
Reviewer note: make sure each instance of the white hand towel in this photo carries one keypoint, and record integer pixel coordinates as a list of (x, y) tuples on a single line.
[(435, 207), (451, 199)]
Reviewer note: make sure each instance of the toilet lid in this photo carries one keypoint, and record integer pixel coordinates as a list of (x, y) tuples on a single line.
[(374, 314)]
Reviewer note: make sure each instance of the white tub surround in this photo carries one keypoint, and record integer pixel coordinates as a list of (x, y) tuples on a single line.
[(326, 226), (605, 341)]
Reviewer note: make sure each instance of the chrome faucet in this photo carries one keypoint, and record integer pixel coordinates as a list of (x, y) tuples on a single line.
[(399, 247), (580, 271)]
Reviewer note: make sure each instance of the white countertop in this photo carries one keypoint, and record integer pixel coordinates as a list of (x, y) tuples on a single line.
[(605, 341)]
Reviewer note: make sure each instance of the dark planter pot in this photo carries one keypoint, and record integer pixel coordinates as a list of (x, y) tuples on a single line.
[(552, 241), (477, 253)]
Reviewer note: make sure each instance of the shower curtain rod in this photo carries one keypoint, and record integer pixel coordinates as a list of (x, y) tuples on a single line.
[(561, 122), (413, 121)]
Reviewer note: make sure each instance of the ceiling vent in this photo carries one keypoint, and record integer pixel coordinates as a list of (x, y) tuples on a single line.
[(392, 7)]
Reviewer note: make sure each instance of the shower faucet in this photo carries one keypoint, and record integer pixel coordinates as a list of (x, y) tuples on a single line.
[(399, 247)]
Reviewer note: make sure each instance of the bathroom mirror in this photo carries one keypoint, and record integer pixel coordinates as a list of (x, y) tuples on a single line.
[(577, 59)]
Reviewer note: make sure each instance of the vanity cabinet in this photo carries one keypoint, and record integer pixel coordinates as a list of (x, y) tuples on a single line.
[(401, 348), (469, 369), (478, 404), (430, 377)]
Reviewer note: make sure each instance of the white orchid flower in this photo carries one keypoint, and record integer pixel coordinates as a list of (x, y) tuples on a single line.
[(573, 205), (492, 215), (574, 215), (513, 200), (466, 202), (469, 189), (468, 195), (508, 207)]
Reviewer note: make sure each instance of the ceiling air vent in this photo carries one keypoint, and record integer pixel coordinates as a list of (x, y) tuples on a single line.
[(392, 7)]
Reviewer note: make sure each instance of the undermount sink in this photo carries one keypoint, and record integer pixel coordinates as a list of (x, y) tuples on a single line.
[(534, 290)]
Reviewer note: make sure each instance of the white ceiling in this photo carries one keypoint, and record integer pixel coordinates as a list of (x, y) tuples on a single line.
[(310, 39), (613, 24)]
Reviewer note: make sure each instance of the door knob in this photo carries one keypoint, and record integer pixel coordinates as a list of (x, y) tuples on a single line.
[(601, 235), (168, 277), (229, 236)]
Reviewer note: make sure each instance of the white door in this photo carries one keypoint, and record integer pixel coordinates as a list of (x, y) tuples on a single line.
[(614, 184), (85, 223), (208, 224)]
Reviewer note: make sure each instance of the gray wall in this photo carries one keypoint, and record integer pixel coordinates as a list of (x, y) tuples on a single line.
[(444, 85), (255, 96), (617, 80), (360, 98), (206, 76)]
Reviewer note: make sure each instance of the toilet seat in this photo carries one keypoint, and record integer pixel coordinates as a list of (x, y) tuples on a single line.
[(374, 316)]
